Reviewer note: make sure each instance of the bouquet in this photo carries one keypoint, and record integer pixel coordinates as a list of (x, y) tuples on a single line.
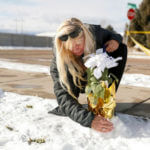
[(100, 89)]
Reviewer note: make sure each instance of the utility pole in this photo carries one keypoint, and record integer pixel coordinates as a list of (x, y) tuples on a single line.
[(16, 22), (130, 15), (19, 25), (22, 25)]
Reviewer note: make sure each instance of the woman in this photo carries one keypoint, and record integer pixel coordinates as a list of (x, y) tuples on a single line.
[(73, 41)]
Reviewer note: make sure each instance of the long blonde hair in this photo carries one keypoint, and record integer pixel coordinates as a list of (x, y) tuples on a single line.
[(65, 58)]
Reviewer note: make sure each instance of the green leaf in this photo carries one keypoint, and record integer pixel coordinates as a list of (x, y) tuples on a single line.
[(110, 80), (116, 79), (101, 93), (88, 74), (93, 86), (95, 101), (105, 75), (98, 88), (88, 90), (93, 79)]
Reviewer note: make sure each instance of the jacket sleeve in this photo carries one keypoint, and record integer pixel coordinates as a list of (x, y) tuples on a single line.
[(102, 35), (67, 104)]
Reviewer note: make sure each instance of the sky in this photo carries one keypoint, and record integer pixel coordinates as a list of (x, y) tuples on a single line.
[(38, 16)]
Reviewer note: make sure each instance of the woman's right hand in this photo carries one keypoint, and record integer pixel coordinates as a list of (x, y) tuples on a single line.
[(101, 124)]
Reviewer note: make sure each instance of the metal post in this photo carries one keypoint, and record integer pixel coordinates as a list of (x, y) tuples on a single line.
[(16, 20), (22, 25), (127, 34)]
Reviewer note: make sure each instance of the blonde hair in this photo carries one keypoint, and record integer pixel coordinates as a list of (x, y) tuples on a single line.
[(65, 58)]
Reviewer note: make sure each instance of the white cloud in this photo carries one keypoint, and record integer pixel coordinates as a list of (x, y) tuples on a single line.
[(46, 15)]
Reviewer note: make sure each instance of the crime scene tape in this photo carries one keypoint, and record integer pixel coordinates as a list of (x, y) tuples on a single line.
[(137, 32), (143, 48), (146, 50)]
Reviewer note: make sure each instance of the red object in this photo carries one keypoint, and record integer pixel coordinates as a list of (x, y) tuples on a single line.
[(131, 14)]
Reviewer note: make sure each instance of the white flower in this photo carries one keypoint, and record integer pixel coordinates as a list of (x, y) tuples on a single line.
[(100, 61), (90, 63), (99, 51), (97, 73)]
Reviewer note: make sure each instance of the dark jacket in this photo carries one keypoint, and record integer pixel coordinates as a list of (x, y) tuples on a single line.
[(68, 106)]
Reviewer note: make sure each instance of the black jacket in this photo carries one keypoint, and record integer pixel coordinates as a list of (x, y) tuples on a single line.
[(68, 106)]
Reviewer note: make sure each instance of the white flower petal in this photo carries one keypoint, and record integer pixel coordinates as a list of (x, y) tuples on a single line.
[(118, 58), (99, 51), (112, 65), (90, 63), (101, 61), (97, 73)]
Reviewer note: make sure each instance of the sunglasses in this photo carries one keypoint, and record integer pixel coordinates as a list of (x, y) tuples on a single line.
[(73, 34)]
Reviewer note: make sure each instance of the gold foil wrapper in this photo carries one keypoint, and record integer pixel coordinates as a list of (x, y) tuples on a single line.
[(104, 107)]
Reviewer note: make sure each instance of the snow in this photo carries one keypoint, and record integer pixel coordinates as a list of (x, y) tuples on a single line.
[(138, 57), (1, 93), (48, 34), (24, 117), (134, 52), (61, 133), (24, 48), (139, 80), (24, 67)]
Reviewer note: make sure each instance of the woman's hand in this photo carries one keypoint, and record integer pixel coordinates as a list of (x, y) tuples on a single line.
[(111, 45), (101, 124)]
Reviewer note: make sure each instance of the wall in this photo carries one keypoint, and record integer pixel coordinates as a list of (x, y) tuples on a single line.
[(7, 39)]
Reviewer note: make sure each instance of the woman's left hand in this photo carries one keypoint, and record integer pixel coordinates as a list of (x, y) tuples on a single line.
[(111, 45)]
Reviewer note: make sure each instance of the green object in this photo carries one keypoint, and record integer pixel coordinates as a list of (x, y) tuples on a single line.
[(131, 5)]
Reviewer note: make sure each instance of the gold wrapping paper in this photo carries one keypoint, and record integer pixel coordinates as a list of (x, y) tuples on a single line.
[(106, 106)]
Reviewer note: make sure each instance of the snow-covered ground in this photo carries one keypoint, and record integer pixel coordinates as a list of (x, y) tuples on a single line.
[(139, 57), (23, 48), (24, 121), (48, 34), (139, 80), (26, 117), (24, 67)]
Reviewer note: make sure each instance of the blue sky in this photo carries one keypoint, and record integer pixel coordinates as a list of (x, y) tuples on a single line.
[(36, 16)]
